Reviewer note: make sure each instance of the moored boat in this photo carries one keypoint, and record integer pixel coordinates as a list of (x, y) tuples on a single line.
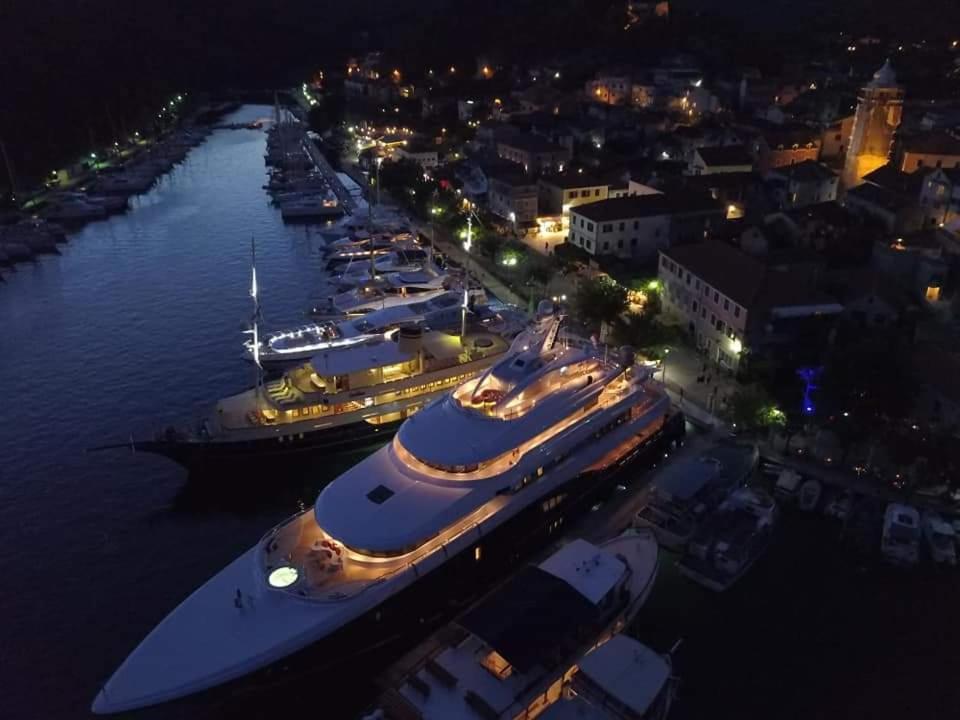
[(472, 484), (510, 654), (729, 541)]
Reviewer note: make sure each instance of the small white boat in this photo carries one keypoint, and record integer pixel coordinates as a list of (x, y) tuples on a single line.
[(940, 539), (74, 208), (788, 485), (623, 679), (729, 541), (901, 535), (839, 506), (810, 492), (310, 206)]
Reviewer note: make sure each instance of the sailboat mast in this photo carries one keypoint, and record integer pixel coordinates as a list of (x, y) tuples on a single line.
[(254, 293)]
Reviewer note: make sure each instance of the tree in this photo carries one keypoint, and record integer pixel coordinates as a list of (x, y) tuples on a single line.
[(600, 301), (751, 408), (488, 244), (644, 332), (329, 113)]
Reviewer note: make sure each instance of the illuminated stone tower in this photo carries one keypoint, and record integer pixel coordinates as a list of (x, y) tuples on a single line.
[(879, 108)]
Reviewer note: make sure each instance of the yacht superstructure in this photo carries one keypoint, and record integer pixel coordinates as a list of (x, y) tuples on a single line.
[(470, 484)]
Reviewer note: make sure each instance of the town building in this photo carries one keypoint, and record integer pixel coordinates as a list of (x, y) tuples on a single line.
[(732, 304), (936, 373), (936, 149), (559, 193), (806, 183), (425, 155), (636, 227), (895, 212), (835, 139), (535, 153), (512, 195), (720, 159), (940, 198), (878, 115), (923, 262), (779, 145)]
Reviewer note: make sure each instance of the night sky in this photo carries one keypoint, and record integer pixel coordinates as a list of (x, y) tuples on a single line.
[(76, 72)]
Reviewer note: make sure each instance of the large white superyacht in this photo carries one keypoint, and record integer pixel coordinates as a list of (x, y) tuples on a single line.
[(469, 487)]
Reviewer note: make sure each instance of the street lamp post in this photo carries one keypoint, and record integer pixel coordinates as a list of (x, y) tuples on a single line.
[(666, 354), (379, 163)]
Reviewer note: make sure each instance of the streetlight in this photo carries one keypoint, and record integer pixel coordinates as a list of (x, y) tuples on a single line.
[(666, 354), (379, 163)]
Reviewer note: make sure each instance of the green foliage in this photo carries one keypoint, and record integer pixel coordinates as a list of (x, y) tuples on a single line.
[(329, 113), (488, 244), (867, 377), (751, 407), (600, 301), (537, 273), (644, 332), (403, 179)]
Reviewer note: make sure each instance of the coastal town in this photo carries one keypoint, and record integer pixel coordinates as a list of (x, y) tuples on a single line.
[(578, 375)]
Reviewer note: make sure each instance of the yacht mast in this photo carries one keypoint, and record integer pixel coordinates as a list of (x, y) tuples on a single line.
[(256, 316)]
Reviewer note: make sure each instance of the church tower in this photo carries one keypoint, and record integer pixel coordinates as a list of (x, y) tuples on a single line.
[(879, 109)]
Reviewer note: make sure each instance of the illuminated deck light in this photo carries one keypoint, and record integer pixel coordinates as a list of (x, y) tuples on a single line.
[(284, 576)]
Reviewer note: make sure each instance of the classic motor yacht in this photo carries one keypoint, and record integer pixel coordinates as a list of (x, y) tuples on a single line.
[(511, 653), (345, 397), (475, 481), (288, 348)]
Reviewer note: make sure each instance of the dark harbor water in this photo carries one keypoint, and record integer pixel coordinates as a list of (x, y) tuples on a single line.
[(138, 325)]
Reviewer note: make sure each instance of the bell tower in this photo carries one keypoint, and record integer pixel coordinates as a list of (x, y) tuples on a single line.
[(879, 110)]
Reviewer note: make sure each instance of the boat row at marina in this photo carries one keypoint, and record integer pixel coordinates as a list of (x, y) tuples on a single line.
[(296, 185), (47, 224), (908, 535), (495, 431)]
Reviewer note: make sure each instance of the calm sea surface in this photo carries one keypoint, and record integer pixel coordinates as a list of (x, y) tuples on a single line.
[(138, 325)]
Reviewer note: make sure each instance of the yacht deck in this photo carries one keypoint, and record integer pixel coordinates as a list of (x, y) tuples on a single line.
[(329, 571)]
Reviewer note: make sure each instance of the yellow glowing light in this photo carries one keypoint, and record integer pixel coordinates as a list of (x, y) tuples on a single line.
[(737, 345)]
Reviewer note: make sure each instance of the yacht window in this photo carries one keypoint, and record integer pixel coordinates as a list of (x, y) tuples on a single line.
[(380, 494)]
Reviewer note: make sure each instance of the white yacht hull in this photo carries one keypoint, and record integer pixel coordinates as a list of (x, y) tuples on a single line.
[(207, 641)]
